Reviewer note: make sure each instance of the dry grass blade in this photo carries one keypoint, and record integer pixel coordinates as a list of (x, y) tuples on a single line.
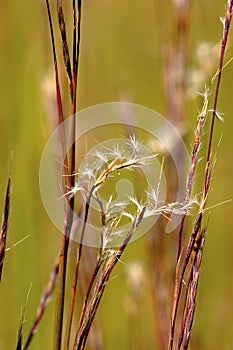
[(65, 48), (58, 91), (43, 302), (4, 227)]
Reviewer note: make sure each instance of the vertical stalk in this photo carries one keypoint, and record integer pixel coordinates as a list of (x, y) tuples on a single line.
[(206, 183), (69, 162)]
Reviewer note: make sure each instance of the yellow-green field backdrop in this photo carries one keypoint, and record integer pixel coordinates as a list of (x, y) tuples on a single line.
[(121, 59)]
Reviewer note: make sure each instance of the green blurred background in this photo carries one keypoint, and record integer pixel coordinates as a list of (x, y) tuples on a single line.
[(121, 59)]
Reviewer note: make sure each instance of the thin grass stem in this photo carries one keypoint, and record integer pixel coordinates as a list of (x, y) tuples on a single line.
[(4, 228), (43, 302)]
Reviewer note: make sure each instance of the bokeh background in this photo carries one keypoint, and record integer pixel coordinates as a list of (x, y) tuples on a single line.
[(122, 59)]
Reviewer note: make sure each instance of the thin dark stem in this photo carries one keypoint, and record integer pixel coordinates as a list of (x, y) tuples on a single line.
[(4, 228), (189, 186), (178, 285), (69, 166), (41, 309), (79, 35), (193, 163), (185, 309), (91, 283), (88, 319), (227, 22), (193, 289), (74, 71), (65, 48), (76, 274), (72, 161), (58, 92), (84, 327), (98, 264), (58, 319)]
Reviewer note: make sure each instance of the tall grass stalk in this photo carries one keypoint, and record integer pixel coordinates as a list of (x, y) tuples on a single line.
[(69, 164), (197, 232)]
